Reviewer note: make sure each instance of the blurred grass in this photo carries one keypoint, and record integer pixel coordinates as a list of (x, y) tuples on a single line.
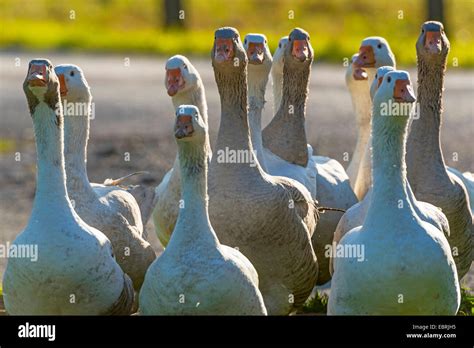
[(123, 26)]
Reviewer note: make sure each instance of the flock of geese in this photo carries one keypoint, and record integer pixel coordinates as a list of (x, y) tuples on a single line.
[(251, 237)]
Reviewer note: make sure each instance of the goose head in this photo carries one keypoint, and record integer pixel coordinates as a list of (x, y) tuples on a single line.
[(256, 46), (73, 84), (40, 79), (355, 74), (379, 75), (374, 52), (228, 53), (395, 88), (41, 84), (189, 125), (299, 48), (180, 75), (432, 43)]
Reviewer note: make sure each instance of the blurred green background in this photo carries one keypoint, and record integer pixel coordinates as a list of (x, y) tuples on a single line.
[(336, 27)]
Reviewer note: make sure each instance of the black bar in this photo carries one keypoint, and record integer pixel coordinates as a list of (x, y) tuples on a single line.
[(242, 330)]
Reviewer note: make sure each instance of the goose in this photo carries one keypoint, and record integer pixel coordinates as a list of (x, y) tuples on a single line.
[(332, 184), (110, 209), (269, 219), (196, 274), (430, 180), (184, 84), (75, 272), (355, 215), (277, 73), (374, 52), (259, 68), (406, 266)]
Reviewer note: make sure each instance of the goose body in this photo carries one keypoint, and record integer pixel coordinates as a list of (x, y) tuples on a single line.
[(196, 274), (75, 272), (269, 219), (285, 137), (110, 209), (407, 267), (428, 175), (184, 85)]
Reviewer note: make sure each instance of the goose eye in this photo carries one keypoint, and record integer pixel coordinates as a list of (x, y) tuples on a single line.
[(185, 66), (245, 41), (379, 46), (376, 76), (389, 79), (279, 45), (423, 30), (265, 41), (71, 73)]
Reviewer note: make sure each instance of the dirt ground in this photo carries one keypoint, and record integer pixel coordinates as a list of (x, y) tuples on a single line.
[(134, 115)]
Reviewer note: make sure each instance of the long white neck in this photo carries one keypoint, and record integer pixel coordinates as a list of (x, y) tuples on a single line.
[(277, 85), (194, 96), (76, 132), (193, 225), (362, 105), (389, 194), (257, 82), (51, 190)]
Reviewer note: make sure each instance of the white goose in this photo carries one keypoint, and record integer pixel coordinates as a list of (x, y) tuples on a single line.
[(270, 219), (428, 175), (285, 137), (196, 274), (374, 52), (110, 209), (407, 266), (75, 273), (184, 85), (355, 216)]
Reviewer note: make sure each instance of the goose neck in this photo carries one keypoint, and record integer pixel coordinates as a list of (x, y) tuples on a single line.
[(388, 165), (51, 177), (257, 82), (277, 85), (424, 137), (193, 220), (234, 133), (76, 137)]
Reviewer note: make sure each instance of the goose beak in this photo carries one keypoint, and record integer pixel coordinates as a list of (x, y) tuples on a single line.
[(224, 50), (174, 81), (184, 126), (359, 74), (37, 75), (403, 92), (62, 85), (433, 42), (300, 50), (255, 53), (366, 57)]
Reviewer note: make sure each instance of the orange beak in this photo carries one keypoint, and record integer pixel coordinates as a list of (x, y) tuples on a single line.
[(433, 42), (37, 76), (174, 81), (255, 53), (359, 74), (184, 126), (366, 58), (62, 85), (403, 92), (300, 50), (224, 50)]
